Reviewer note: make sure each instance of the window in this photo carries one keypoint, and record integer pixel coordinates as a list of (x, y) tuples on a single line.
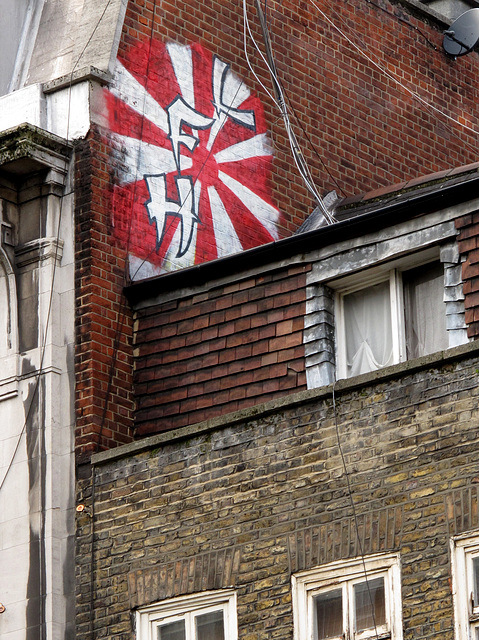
[(204, 616), (389, 317), (349, 600), (465, 583)]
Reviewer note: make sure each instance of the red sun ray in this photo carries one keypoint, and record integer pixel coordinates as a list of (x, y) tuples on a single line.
[(151, 66)]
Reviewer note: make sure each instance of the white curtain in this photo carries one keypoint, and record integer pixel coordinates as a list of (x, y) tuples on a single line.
[(367, 318), (425, 310)]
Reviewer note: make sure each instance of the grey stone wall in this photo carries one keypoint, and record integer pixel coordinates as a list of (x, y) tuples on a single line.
[(248, 503)]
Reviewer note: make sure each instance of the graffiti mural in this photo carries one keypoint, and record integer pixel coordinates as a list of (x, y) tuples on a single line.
[(192, 159)]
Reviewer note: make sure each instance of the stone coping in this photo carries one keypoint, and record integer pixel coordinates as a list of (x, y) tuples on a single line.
[(83, 74), (286, 402)]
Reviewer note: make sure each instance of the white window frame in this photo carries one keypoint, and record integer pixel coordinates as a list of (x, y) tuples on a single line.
[(464, 549), (397, 317), (345, 574), (187, 608), (389, 271)]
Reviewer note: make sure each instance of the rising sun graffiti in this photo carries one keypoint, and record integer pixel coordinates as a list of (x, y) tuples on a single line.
[(192, 159)]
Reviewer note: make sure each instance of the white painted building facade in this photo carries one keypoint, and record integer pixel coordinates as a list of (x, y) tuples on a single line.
[(55, 56)]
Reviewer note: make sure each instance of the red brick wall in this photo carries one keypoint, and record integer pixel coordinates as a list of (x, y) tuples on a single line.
[(366, 130), (103, 320), (219, 351)]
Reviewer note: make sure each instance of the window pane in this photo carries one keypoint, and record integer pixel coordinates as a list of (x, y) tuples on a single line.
[(210, 626), (367, 318), (370, 604), (329, 615), (172, 631), (425, 310), (475, 571)]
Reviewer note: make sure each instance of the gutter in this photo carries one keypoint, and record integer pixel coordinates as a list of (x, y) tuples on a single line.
[(364, 218)]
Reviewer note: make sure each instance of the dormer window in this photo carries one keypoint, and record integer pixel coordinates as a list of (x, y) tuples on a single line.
[(390, 317)]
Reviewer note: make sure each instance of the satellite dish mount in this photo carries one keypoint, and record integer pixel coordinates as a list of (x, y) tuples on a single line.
[(463, 35)]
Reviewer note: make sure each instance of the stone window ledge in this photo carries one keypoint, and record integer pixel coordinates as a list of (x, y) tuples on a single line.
[(287, 402)]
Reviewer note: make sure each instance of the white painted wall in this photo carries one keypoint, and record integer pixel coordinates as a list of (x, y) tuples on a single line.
[(48, 49), (13, 13), (37, 440)]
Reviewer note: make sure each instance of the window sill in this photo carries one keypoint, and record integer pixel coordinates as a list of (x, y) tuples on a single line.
[(409, 366), (287, 402)]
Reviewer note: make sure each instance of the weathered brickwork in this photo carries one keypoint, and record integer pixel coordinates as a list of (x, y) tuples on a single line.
[(249, 503), (367, 131), (215, 352), (362, 130), (468, 247), (103, 358)]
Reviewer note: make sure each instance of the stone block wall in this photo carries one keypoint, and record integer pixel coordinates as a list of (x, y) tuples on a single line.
[(265, 495)]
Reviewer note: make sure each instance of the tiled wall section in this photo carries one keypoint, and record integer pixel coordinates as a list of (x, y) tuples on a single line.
[(469, 249), (219, 351)]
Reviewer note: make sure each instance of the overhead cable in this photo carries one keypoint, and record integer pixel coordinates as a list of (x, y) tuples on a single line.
[(353, 510), (389, 75), (280, 101)]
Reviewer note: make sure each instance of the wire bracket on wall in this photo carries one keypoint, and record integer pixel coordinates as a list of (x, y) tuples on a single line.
[(462, 37)]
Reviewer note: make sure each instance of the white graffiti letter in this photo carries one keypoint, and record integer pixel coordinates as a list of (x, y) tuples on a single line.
[(159, 208), (242, 116), (180, 114), (224, 104)]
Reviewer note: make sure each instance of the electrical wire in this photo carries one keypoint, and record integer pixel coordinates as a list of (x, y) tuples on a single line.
[(280, 102), (391, 76), (353, 509), (312, 146)]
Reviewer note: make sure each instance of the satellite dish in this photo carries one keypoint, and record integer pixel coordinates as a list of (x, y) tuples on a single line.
[(463, 34)]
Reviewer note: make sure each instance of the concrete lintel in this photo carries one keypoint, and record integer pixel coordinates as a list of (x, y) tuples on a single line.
[(26, 149), (287, 402), (84, 74), (421, 9)]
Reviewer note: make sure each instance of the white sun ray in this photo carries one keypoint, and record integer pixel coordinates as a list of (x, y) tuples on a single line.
[(171, 262), (227, 240), (266, 214), (235, 92), (142, 158), (127, 88), (257, 146), (141, 269), (182, 62)]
